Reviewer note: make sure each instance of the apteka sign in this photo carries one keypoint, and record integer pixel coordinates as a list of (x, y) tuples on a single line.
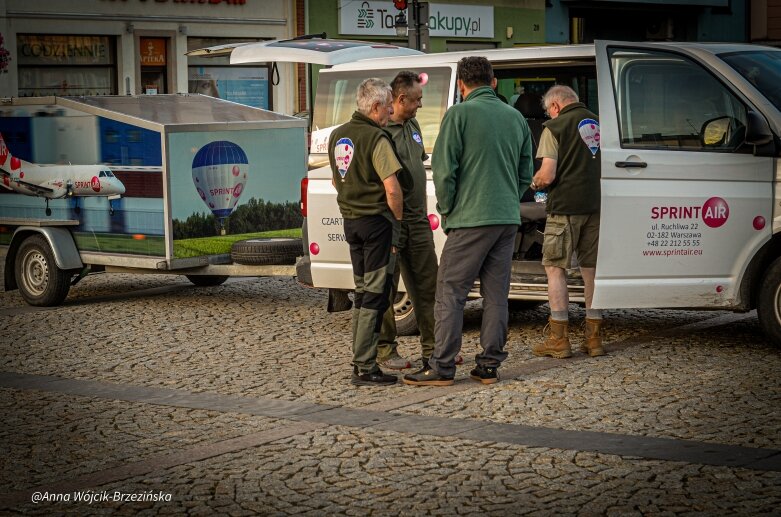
[(366, 18)]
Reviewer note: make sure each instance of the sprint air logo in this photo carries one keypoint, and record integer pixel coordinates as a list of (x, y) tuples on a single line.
[(343, 155), (714, 213), (93, 184)]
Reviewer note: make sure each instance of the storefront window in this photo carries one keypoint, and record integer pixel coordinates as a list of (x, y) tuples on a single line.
[(52, 64), (215, 76)]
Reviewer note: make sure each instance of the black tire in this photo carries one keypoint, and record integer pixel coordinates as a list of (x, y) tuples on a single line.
[(404, 312), (207, 280), (41, 283), (257, 252), (523, 305), (769, 302)]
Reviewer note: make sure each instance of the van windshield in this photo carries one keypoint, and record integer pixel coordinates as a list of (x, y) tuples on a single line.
[(762, 68), (336, 99)]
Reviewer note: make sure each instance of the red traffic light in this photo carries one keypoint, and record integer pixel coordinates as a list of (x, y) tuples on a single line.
[(400, 4)]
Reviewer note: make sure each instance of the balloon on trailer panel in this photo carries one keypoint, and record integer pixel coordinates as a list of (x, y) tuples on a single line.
[(220, 173)]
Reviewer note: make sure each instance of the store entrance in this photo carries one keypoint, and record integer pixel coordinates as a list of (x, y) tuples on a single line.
[(154, 65)]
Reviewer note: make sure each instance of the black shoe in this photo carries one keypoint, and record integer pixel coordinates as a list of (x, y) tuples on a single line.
[(423, 366), (428, 377), (485, 374), (373, 379)]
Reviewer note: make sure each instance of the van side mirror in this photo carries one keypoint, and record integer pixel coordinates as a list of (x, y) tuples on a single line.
[(723, 133), (757, 130), (714, 132)]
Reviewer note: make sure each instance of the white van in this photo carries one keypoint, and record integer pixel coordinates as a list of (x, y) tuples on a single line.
[(690, 146)]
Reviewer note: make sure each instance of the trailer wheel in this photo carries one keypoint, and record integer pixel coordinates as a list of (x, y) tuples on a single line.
[(41, 283), (769, 302), (207, 280), (257, 252), (404, 312)]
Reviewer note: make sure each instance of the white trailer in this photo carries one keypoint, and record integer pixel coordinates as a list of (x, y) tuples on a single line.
[(208, 187)]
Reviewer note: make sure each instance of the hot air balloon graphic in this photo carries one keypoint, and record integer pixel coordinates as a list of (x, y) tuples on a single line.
[(589, 132), (220, 172)]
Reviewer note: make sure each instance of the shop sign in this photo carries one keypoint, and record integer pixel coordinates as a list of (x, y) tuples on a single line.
[(377, 18), (152, 51), (56, 49)]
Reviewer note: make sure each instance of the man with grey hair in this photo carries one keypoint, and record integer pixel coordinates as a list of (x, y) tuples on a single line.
[(569, 148), (365, 167)]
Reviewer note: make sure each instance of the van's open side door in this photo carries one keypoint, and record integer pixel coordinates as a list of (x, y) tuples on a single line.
[(685, 203)]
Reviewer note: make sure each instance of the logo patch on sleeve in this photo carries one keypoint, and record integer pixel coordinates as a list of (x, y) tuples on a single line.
[(416, 137), (343, 155)]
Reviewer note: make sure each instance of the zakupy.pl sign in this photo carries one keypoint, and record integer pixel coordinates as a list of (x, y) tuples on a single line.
[(366, 18)]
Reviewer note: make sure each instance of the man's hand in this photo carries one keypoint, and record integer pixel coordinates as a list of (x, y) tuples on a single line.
[(546, 175)]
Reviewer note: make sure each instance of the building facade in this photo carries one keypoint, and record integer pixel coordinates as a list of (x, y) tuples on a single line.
[(128, 47), (766, 22), (583, 21)]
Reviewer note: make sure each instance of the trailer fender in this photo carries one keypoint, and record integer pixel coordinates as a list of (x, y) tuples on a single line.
[(60, 240)]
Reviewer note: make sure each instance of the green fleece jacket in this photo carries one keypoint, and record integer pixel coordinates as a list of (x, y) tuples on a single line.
[(482, 162)]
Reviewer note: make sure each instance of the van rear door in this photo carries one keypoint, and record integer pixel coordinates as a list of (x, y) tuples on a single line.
[(685, 203)]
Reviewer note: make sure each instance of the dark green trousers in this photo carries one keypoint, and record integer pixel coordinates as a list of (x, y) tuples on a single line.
[(416, 262)]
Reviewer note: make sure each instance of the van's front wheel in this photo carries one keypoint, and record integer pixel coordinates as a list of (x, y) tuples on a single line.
[(769, 303)]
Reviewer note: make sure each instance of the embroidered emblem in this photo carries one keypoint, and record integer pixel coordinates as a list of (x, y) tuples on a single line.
[(589, 133), (343, 155), (416, 137)]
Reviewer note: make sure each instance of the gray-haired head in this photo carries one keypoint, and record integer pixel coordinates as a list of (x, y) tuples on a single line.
[(370, 91), (560, 94)]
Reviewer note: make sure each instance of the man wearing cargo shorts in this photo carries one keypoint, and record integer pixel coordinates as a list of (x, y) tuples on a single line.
[(365, 167), (416, 258), (569, 149)]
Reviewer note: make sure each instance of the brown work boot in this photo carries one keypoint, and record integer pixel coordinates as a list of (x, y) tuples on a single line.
[(556, 342), (592, 344)]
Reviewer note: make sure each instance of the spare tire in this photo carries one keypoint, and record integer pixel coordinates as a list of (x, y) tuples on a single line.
[(258, 252)]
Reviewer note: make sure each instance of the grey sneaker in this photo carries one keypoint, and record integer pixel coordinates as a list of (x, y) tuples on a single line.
[(395, 362)]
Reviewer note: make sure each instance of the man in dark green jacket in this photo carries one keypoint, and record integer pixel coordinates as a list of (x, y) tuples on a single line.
[(482, 165), (364, 167), (416, 258)]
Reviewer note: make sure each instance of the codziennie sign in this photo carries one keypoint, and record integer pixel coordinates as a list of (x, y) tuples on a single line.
[(367, 18)]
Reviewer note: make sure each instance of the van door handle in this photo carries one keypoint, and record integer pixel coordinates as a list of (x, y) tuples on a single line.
[(627, 165)]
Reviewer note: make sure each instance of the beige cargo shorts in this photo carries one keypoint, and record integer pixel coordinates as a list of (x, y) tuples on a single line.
[(565, 234)]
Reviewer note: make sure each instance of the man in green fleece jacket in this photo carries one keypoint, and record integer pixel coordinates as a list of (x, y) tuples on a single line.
[(482, 165)]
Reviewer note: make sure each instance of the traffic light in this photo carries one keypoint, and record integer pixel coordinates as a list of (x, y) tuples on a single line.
[(400, 4)]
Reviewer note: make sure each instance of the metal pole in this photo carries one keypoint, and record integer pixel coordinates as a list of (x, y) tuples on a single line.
[(422, 27), (412, 31)]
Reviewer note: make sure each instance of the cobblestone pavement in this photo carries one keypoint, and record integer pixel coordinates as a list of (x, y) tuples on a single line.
[(236, 400)]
